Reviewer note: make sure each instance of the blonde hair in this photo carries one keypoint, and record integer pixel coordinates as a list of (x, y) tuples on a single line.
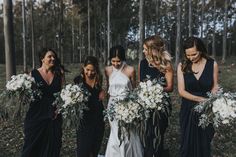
[(163, 57)]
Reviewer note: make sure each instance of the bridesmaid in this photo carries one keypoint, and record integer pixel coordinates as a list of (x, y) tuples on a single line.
[(90, 133), (42, 125), (197, 74), (156, 65)]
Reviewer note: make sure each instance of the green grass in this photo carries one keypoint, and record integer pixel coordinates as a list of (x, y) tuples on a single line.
[(224, 143)]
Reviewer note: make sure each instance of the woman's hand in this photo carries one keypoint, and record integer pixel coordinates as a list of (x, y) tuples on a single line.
[(102, 95), (56, 112)]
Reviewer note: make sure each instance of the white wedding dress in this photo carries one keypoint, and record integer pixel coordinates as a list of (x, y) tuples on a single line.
[(119, 85)]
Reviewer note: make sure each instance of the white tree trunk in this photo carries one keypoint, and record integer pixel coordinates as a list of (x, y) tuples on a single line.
[(178, 33), (141, 29), (9, 39), (225, 32)]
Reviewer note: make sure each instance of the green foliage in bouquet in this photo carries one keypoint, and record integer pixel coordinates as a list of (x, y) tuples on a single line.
[(72, 102), (20, 92), (218, 109)]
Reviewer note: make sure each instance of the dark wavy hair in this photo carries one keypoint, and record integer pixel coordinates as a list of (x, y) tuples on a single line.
[(57, 68), (90, 60), (189, 43), (117, 51)]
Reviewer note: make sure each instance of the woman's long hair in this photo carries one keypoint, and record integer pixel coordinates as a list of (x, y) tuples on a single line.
[(92, 61), (57, 69), (190, 43), (163, 57)]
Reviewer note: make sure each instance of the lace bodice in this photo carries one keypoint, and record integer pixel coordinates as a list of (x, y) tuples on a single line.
[(119, 83)]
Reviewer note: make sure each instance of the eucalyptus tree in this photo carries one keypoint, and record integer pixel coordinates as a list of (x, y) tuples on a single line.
[(178, 33), (32, 32), (9, 39), (23, 35), (141, 28), (225, 31)]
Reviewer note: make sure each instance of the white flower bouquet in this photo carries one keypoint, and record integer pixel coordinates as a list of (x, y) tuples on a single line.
[(128, 114), (71, 102), (152, 97), (218, 109), (20, 91), (154, 102)]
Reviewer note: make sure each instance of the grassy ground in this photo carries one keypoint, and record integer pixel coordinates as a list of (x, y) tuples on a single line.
[(224, 143)]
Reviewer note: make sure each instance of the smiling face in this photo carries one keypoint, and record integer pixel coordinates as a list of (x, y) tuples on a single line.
[(193, 54), (49, 59), (116, 62), (90, 71)]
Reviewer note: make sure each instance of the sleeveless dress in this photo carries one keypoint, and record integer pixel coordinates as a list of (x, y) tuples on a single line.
[(119, 85), (151, 150), (195, 141), (42, 132), (90, 133)]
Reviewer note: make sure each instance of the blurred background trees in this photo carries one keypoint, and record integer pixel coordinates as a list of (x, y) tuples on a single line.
[(76, 28)]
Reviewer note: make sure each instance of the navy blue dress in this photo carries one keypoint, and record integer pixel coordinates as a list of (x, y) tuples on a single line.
[(91, 131), (195, 141), (42, 132), (147, 72)]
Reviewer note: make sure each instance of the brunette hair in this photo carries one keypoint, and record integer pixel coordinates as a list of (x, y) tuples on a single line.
[(91, 60), (190, 42), (117, 51), (58, 68)]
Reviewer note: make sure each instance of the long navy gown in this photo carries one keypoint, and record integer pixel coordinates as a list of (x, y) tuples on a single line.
[(195, 141), (91, 131), (147, 72), (42, 132)]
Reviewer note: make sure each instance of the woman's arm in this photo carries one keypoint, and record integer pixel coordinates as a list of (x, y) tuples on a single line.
[(133, 77), (215, 87), (169, 76), (181, 87), (138, 72)]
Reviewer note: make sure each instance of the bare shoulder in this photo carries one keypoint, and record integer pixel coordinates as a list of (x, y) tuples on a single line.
[(130, 68), (167, 55), (108, 70)]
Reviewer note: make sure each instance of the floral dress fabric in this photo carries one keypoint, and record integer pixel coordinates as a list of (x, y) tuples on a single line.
[(119, 85)]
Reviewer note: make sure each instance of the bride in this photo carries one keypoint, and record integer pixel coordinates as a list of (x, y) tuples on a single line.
[(120, 79)]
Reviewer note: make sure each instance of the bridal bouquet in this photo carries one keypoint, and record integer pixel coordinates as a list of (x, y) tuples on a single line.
[(127, 112), (20, 91), (219, 108), (152, 97), (71, 102)]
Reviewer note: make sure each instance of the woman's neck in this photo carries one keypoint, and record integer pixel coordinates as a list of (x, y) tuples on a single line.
[(45, 69)]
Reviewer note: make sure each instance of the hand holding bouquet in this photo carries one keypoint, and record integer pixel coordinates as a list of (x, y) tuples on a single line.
[(218, 109), (71, 102)]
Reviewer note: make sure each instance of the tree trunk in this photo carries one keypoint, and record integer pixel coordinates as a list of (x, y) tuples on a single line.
[(214, 30), (202, 15), (23, 36), (190, 23), (157, 16), (9, 39), (73, 38), (108, 29), (89, 40), (61, 35), (178, 33), (141, 29), (32, 34), (225, 32)]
